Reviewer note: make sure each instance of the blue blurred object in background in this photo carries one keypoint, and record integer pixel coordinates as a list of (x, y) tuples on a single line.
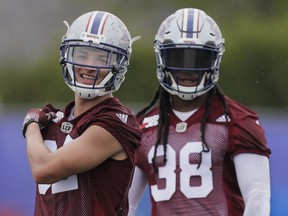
[(17, 187)]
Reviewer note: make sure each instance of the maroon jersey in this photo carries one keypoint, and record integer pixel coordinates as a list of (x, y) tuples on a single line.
[(103, 189), (188, 184)]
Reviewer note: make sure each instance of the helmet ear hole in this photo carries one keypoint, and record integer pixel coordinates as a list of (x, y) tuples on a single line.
[(182, 46), (116, 69), (62, 60), (62, 54)]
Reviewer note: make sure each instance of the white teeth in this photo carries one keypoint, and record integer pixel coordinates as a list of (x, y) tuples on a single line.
[(88, 77), (187, 80)]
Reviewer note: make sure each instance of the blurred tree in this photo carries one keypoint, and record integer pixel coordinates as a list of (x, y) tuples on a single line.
[(253, 69)]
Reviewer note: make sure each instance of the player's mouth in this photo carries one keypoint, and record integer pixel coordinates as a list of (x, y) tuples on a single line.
[(188, 82), (188, 79), (87, 79)]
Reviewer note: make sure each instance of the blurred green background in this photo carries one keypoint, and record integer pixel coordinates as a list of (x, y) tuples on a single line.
[(253, 70)]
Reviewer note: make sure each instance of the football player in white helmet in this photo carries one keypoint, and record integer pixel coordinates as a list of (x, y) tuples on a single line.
[(183, 48), (82, 157), (201, 152), (95, 43)]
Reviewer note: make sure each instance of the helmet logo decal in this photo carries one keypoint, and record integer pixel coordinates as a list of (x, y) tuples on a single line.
[(96, 39)]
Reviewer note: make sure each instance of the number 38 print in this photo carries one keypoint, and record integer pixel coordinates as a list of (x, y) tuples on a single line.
[(187, 170)]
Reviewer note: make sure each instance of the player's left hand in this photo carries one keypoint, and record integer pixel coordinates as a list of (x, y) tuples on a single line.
[(38, 116)]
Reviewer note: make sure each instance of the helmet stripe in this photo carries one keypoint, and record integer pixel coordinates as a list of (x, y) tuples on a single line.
[(97, 22), (196, 23), (104, 22), (183, 27), (88, 26), (190, 24)]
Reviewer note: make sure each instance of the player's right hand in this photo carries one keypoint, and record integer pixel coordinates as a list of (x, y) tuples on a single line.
[(39, 116)]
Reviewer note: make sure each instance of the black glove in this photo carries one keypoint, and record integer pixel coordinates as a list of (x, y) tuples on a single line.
[(38, 116)]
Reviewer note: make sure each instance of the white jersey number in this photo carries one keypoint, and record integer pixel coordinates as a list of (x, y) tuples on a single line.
[(188, 170), (70, 183)]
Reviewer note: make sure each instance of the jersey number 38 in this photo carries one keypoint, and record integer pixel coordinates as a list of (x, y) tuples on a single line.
[(188, 170)]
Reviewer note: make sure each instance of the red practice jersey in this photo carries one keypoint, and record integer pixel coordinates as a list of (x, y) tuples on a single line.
[(103, 189), (192, 185)]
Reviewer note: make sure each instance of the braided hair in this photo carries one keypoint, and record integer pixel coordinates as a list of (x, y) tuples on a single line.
[(163, 97)]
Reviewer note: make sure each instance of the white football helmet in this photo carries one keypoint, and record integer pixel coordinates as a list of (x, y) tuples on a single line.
[(188, 41), (95, 32)]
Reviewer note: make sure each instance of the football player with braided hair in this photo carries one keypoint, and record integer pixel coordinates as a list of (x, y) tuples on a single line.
[(83, 157), (201, 152)]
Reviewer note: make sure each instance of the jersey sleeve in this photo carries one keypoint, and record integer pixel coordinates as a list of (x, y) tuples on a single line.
[(126, 133), (120, 123), (246, 134)]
